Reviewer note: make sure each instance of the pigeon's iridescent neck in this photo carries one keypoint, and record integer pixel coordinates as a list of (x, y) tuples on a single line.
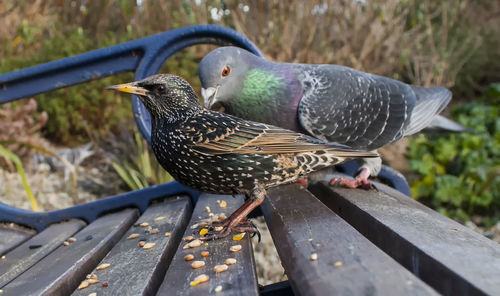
[(269, 95)]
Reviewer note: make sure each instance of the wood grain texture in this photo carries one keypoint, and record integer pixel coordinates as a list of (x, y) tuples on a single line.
[(301, 225), (137, 271), (239, 279), (13, 235), (445, 254), (33, 250), (60, 272)]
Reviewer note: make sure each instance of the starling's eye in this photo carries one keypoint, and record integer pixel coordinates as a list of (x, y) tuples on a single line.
[(226, 71), (161, 87)]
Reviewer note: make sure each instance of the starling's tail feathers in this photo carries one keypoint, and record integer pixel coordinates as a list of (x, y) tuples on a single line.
[(430, 101), (442, 124)]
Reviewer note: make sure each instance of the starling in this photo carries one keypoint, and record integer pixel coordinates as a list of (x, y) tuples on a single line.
[(218, 153), (330, 102)]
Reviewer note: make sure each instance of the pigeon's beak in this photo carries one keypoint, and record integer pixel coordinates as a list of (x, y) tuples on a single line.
[(129, 88), (209, 96)]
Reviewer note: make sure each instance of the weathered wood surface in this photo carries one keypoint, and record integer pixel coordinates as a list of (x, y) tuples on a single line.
[(301, 225), (36, 248), (239, 279), (137, 271), (448, 256), (13, 235), (60, 272)]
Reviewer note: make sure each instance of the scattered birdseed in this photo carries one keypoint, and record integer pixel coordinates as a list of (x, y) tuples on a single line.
[(93, 294), (238, 237), (205, 254), (235, 248), (188, 238), (210, 214), (218, 289), (310, 239), (189, 257), (83, 285), (72, 239), (218, 201), (218, 228), (142, 243), (159, 218), (154, 231), (133, 235), (230, 261), (338, 264), (65, 244), (205, 244), (92, 281), (199, 279), (3, 257), (194, 244), (91, 276), (103, 266), (105, 284), (197, 264), (1, 291), (223, 204), (148, 246), (207, 209), (144, 224), (168, 234), (313, 257), (194, 226), (220, 268), (203, 231)]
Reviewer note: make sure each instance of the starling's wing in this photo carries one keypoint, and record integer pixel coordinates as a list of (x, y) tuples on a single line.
[(217, 133), (361, 110)]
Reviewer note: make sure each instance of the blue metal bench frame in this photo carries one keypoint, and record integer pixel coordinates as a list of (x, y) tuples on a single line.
[(144, 56)]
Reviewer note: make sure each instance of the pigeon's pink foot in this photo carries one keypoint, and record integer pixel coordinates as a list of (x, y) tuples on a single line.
[(361, 181), (303, 182)]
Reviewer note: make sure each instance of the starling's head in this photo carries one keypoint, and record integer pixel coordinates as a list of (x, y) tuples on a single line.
[(222, 73), (166, 96)]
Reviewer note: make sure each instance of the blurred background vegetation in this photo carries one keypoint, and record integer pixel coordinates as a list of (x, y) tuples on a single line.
[(425, 42)]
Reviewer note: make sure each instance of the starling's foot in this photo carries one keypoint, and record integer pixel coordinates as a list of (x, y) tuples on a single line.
[(303, 182), (227, 229), (361, 181)]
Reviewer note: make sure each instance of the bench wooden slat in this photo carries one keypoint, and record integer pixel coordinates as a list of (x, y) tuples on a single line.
[(33, 250), (12, 235), (295, 216), (447, 255), (137, 271), (239, 279), (60, 272)]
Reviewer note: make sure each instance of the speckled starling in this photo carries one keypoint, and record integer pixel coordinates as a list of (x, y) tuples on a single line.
[(330, 102), (218, 153)]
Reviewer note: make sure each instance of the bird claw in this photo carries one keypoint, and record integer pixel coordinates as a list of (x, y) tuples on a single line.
[(227, 229), (361, 181)]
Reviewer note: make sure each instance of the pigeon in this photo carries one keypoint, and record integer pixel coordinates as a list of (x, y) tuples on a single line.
[(330, 102), (218, 153)]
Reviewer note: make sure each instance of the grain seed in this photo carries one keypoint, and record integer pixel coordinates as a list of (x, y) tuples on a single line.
[(154, 231), (91, 276), (313, 257), (148, 246), (3, 257), (103, 266), (235, 248), (189, 257), (194, 244), (65, 244), (194, 226), (203, 231), (133, 235), (220, 268), (337, 264), (168, 234), (218, 201), (93, 294), (197, 264), (83, 285), (144, 224), (205, 254), (92, 281), (159, 218), (188, 238), (142, 243), (218, 289), (230, 261), (218, 228), (207, 209), (72, 239), (238, 237), (223, 204), (199, 279), (105, 284)]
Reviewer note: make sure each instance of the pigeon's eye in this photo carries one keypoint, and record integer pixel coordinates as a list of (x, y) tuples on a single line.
[(226, 71)]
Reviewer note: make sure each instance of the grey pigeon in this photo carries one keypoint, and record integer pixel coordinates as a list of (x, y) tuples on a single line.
[(330, 102)]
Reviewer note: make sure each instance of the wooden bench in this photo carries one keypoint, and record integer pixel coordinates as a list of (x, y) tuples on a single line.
[(365, 242)]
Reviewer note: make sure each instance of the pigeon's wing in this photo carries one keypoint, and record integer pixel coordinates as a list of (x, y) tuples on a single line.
[(225, 134), (361, 110)]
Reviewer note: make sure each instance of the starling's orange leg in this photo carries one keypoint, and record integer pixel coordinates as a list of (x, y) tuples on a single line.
[(361, 181), (237, 221)]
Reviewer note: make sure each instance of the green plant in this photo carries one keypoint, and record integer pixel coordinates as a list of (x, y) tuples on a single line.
[(459, 174), (140, 169)]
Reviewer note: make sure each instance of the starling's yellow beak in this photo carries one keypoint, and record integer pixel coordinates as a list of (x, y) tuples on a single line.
[(129, 88)]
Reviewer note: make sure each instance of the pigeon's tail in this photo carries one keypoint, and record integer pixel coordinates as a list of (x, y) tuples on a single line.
[(430, 101), (442, 124)]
